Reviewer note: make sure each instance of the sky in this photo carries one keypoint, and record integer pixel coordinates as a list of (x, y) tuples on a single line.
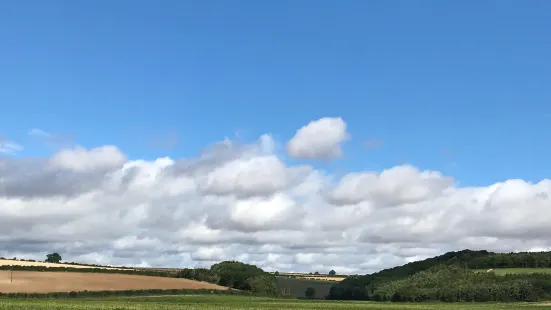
[(296, 135)]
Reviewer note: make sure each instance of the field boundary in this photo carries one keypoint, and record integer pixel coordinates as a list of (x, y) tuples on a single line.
[(123, 293)]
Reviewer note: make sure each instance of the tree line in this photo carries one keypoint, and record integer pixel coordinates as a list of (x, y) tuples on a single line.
[(236, 275), (454, 269), (152, 292), (231, 274)]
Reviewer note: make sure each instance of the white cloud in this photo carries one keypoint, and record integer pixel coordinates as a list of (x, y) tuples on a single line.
[(245, 202), (39, 133), (9, 147), (320, 139)]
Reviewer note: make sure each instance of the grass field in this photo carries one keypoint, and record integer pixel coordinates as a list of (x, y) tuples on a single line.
[(240, 303), (44, 282), (298, 286), (504, 271)]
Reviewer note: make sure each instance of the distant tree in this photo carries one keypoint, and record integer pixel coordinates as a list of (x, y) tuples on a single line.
[(316, 273), (277, 273), (235, 274), (310, 293), (332, 273), (53, 258)]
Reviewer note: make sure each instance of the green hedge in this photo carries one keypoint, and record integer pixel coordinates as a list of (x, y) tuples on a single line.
[(91, 294), (90, 270)]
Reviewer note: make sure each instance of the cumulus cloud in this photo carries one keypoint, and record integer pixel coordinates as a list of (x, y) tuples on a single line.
[(320, 139), (245, 202)]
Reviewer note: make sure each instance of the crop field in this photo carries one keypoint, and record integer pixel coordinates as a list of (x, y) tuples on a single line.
[(45, 282), (320, 277), (240, 303), (504, 271), (9, 262)]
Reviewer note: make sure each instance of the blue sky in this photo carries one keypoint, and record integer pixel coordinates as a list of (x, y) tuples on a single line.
[(435, 81)]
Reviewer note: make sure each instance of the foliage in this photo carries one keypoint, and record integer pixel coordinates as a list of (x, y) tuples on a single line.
[(365, 287), (264, 285), (310, 293), (332, 273), (91, 270), (199, 274), (235, 274), (53, 258), (106, 293)]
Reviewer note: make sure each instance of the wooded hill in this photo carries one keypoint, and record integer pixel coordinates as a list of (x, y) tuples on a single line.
[(449, 277)]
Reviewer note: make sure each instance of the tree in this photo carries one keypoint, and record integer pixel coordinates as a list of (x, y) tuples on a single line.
[(235, 274), (332, 273), (53, 258), (263, 285), (316, 273), (277, 273), (310, 293)]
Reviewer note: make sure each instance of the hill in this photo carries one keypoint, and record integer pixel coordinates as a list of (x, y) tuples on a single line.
[(296, 287), (455, 283), (363, 287)]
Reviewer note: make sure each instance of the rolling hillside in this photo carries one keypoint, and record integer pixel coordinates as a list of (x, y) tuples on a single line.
[(514, 265)]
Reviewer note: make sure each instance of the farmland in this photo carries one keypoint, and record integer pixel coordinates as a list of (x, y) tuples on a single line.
[(238, 303), (297, 286), (320, 277), (45, 282), (10, 262)]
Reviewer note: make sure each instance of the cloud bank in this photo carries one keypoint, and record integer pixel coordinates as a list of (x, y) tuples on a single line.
[(244, 202)]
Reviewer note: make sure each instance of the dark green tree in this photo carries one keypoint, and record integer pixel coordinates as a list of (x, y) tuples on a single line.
[(53, 258), (310, 293), (235, 274), (263, 285), (332, 273)]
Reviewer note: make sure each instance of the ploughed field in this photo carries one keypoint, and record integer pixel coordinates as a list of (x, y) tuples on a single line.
[(49, 282), (238, 303)]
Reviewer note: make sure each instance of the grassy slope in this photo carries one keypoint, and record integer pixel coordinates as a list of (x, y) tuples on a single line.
[(504, 271), (236, 303), (297, 286)]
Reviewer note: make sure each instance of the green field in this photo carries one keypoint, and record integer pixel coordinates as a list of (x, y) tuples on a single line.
[(296, 286), (237, 303), (504, 271)]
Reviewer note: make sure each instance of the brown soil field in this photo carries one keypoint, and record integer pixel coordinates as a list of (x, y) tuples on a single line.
[(47, 282)]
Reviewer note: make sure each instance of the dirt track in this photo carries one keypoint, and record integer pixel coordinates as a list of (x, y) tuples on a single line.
[(45, 282)]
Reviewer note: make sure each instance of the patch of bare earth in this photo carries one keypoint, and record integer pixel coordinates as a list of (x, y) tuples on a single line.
[(48, 282)]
